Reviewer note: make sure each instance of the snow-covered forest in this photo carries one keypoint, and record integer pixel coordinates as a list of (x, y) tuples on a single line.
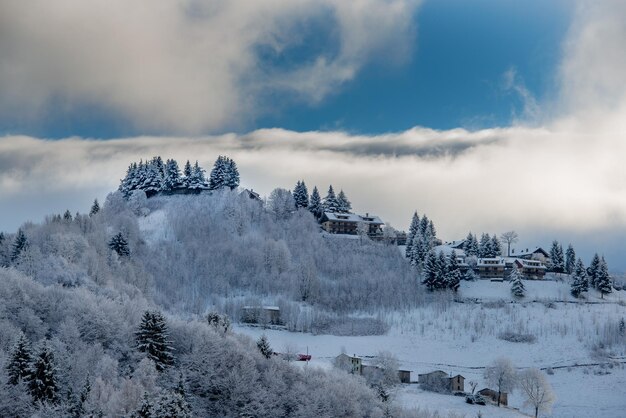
[(104, 313)]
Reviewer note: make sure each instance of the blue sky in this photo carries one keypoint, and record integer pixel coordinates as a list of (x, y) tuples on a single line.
[(450, 76)]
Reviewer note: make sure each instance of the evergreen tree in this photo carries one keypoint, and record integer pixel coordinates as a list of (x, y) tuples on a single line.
[(172, 405), (219, 174), (330, 201), (517, 286), (413, 231), (301, 195), (431, 271), (43, 381), (570, 259), (77, 410), (197, 181), (146, 409), (153, 339), (187, 173), (315, 204), (232, 174), (119, 244), (470, 246), (95, 208), (603, 279), (67, 216), (580, 282), (484, 249), (152, 179), (592, 271), (496, 248), (344, 204), (19, 245), (557, 261), (264, 347), (172, 179), (442, 264), (453, 272), (18, 367)]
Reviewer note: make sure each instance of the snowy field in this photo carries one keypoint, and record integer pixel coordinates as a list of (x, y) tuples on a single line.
[(589, 376)]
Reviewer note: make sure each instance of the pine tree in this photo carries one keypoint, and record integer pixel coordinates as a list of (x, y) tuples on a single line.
[(344, 204), (301, 195), (431, 271), (330, 201), (264, 347), (413, 231), (43, 382), (67, 216), (172, 179), (153, 178), (592, 271), (517, 286), (95, 208), (187, 173), (19, 245), (219, 174), (146, 409), (470, 246), (603, 279), (197, 181), (453, 272), (315, 204), (580, 282), (172, 405), (77, 410), (153, 339), (570, 259), (18, 367), (557, 261), (119, 244), (232, 174), (442, 263), (496, 248), (484, 249)]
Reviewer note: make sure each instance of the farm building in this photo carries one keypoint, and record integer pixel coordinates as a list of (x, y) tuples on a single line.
[(492, 395), (404, 376), (353, 364), (440, 381), (261, 315)]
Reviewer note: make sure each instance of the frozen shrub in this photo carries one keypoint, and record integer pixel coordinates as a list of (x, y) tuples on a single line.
[(514, 337)]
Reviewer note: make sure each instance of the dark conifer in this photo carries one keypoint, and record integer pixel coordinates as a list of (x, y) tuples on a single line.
[(119, 244), (19, 245), (18, 367), (43, 381), (264, 347), (315, 204), (153, 339)]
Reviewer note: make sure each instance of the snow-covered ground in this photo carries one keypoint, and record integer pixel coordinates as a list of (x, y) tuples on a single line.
[(465, 337)]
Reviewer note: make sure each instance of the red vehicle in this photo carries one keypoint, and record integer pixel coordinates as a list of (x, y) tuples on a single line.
[(304, 357)]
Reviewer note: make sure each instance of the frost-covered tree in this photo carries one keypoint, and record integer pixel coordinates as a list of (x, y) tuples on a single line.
[(95, 208), (119, 244), (592, 271), (172, 179), (484, 249), (603, 279), (153, 177), (281, 203), (19, 244), (43, 383), (232, 174), (470, 246), (413, 231), (187, 170), (580, 282), (224, 174), (453, 272), (430, 275), (18, 366), (517, 286), (301, 195), (570, 259), (197, 181), (557, 261), (153, 339), (315, 204), (330, 201), (344, 205), (509, 238), (537, 390), (264, 347), (501, 375), (496, 248), (172, 405), (67, 216)]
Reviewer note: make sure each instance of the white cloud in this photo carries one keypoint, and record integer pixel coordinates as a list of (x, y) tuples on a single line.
[(187, 65)]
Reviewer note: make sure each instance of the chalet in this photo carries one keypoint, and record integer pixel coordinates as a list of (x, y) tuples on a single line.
[(531, 269), (440, 381), (537, 254), (348, 223), (492, 395), (251, 194), (491, 268), (261, 315)]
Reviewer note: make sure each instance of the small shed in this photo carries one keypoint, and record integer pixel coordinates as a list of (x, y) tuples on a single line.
[(261, 315), (404, 376)]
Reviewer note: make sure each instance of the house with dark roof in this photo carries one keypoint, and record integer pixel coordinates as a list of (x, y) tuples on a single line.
[(348, 223), (440, 381)]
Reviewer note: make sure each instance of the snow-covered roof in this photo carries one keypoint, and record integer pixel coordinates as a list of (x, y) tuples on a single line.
[(456, 244), (353, 217), (526, 252), (530, 263), (447, 249), (491, 262)]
